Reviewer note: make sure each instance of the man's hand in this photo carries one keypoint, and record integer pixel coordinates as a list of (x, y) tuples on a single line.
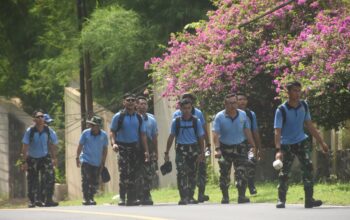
[(166, 156), (325, 148), (218, 153), (201, 157), (54, 162), (24, 167), (115, 147), (279, 155), (147, 156), (77, 160)]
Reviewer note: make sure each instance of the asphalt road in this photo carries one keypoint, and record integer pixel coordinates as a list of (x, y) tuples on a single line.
[(261, 211)]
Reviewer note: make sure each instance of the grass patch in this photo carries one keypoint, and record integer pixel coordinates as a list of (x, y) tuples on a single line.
[(330, 194)]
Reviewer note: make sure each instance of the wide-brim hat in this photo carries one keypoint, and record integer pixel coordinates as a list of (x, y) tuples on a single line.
[(95, 120), (166, 168), (105, 176)]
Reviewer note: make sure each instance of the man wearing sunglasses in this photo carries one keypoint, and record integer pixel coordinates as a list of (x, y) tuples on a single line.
[(231, 129), (126, 131), (38, 160)]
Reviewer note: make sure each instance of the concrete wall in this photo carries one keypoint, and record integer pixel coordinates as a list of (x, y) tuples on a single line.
[(163, 111), (72, 135), (4, 154), (13, 122)]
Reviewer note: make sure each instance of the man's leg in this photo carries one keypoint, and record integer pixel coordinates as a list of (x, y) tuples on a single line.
[(191, 162), (32, 181), (304, 156), (131, 186), (201, 181), (225, 164), (182, 183), (287, 161), (49, 174), (123, 174), (240, 165), (85, 176)]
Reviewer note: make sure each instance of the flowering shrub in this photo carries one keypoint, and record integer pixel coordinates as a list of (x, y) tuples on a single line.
[(306, 40)]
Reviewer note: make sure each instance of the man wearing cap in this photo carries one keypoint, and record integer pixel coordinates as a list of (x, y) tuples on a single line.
[(230, 132), (38, 160), (148, 169), (91, 157), (202, 165), (291, 141), (126, 131), (189, 134), (48, 120)]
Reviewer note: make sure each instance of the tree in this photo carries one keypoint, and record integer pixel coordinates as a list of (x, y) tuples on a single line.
[(305, 40)]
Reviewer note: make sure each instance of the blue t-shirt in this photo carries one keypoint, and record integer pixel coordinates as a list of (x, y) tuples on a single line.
[(198, 113), (129, 132), (253, 124), (231, 130), (151, 125), (92, 147), (187, 133), (39, 146), (292, 130)]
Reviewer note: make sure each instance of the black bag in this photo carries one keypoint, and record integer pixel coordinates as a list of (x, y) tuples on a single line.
[(105, 175)]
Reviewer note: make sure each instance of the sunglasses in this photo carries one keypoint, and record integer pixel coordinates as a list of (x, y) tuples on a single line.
[(130, 100), (39, 116)]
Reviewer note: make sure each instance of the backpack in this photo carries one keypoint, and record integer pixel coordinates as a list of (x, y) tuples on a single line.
[(33, 129), (251, 118), (121, 119), (284, 114), (194, 125)]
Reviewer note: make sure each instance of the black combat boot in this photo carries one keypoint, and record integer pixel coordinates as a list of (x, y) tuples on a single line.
[(122, 197), (241, 195), (225, 198), (183, 197), (201, 196), (251, 186), (132, 201), (281, 203), (50, 203), (310, 202), (147, 199)]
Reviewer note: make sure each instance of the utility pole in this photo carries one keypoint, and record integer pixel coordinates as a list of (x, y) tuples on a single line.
[(86, 101)]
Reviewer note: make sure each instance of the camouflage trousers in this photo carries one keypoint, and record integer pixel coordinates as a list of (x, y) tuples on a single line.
[(40, 178), (186, 165), (237, 156), (201, 176), (90, 177), (146, 173), (127, 162), (303, 152)]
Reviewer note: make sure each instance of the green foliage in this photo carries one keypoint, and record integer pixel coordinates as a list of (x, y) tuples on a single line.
[(118, 45)]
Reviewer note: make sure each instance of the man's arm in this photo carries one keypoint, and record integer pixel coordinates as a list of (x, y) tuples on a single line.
[(114, 144), (79, 149), (24, 156), (155, 144), (250, 139), (169, 143), (104, 156), (217, 144), (278, 139), (53, 150), (202, 148), (206, 136), (311, 128), (145, 146)]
